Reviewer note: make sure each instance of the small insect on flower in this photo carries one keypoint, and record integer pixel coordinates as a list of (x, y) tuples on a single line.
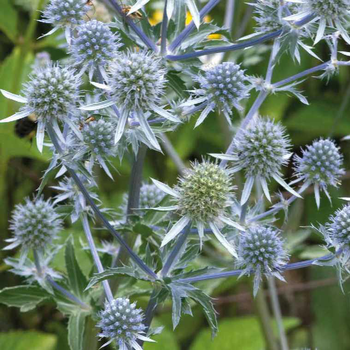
[(261, 251), (51, 94), (122, 322), (35, 225), (222, 88), (26, 127), (201, 197), (320, 165), (260, 151), (86, 121), (134, 15)]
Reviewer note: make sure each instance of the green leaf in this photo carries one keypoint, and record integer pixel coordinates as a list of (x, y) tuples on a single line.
[(24, 297), (27, 340), (177, 84), (154, 217), (76, 327), (76, 278), (115, 272), (8, 19)]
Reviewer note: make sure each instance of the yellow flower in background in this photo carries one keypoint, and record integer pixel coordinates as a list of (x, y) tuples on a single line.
[(157, 17)]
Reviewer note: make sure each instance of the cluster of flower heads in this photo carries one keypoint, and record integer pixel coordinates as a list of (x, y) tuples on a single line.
[(122, 322), (35, 225), (222, 88)]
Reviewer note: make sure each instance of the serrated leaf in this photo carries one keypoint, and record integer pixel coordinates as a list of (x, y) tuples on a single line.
[(117, 271), (154, 217), (24, 297), (177, 84), (76, 327), (76, 278)]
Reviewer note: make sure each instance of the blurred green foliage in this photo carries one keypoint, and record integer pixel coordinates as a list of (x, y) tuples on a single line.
[(316, 311)]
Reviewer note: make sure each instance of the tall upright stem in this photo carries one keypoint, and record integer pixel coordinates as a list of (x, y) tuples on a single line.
[(277, 312), (95, 256)]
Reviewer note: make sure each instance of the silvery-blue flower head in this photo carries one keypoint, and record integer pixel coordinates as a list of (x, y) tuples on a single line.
[(123, 322), (34, 224), (222, 87), (329, 9), (262, 149), (94, 45), (261, 251), (320, 165), (98, 136), (52, 92), (65, 12), (339, 227), (137, 80)]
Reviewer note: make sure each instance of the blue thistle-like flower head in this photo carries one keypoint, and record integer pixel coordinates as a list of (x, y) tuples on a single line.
[(261, 251), (262, 149), (52, 92), (320, 165), (34, 224), (137, 80), (65, 12), (222, 88), (94, 45), (123, 322), (205, 191), (329, 9), (339, 228)]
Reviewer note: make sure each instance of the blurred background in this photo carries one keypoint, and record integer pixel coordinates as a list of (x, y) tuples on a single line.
[(316, 313)]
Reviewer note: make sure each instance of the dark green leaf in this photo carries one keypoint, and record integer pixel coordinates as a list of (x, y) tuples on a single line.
[(154, 217), (76, 278), (177, 84), (24, 297)]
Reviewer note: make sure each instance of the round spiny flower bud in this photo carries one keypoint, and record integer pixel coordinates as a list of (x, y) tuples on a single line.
[(204, 192), (34, 224), (150, 196), (320, 164), (262, 149), (65, 12), (261, 251), (99, 137), (52, 91), (224, 86), (94, 44), (267, 15), (339, 228), (137, 80), (121, 321), (329, 9)]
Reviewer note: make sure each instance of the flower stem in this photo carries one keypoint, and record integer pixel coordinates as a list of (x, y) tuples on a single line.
[(139, 32), (164, 29), (97, 211), (95, 256), (169, 149), (176, 251), (66, 293), (133, 203), (265, 320), (188, 30), (277, 312)]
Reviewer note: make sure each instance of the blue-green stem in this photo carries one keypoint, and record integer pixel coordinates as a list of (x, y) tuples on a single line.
[(277, 312), (164, 33), (95, 256), (97, 211), (55, 285), (176, 251), (139, 32), (188, 30)]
